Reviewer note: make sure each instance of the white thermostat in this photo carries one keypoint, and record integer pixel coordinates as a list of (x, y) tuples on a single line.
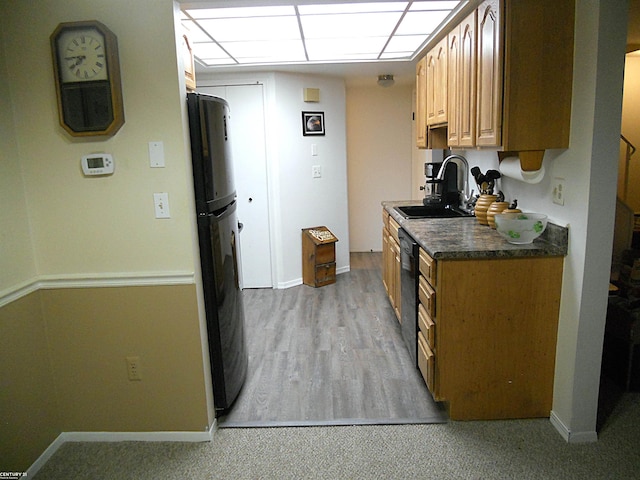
[(97, 164)]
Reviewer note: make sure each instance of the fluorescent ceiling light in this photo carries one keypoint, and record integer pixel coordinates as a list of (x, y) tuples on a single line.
[(330, 31)]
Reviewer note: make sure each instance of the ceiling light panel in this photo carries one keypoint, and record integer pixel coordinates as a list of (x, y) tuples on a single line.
[(353, 8), (240, 12), (434, 5), (252, 28), (332, 48), (349, 25), (415, 23), (277, 51), (327, 31), (407, 43)]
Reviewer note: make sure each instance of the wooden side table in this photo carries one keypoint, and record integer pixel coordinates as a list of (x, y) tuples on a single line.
[(318, 256)]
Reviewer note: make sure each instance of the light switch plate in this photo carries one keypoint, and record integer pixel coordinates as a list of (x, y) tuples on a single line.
[(156, 154), (161, 204)]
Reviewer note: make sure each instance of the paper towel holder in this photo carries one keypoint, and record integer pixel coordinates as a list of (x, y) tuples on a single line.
[(530, 160)]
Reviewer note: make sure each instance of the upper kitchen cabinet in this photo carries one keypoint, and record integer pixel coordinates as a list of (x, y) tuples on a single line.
[(189, 64), (509, 86), (421, 103), (453, 88), (524, 86), (437, 84), (462, 84), (538, 74), (489, 82)]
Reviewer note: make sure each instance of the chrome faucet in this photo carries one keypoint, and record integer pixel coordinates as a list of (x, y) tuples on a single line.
[(466, 196)]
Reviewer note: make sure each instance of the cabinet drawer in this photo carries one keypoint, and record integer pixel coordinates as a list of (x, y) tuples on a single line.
[(427, 327), (426, 363), (385, 218), (428, 267), (325, 253), (325, 274), (427, 296), (393, 228)]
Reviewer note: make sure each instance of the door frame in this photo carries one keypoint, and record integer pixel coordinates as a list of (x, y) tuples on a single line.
[(270, 157)]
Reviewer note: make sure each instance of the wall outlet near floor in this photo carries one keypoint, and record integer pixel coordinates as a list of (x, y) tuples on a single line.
[(133, 368), (558, 190)]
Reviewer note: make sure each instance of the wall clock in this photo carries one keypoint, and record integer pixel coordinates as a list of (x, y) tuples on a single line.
[(87, 75)]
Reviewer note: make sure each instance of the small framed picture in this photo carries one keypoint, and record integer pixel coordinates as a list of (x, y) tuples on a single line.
[(312, 123)]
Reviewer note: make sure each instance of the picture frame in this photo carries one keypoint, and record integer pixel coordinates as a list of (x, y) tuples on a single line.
[(313, 123)]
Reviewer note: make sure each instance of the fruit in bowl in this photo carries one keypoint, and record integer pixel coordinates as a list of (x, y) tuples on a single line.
[(519, 227)]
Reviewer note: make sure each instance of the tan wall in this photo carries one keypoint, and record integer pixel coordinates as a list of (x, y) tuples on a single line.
[(29, 419), (92, 330), (379, 154), (631, 130)]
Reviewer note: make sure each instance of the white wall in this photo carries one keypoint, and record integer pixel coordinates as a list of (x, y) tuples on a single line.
[(297, 200), (379, 147), (306, 201)]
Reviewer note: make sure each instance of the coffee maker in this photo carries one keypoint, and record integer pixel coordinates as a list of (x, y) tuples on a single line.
[(440, 192)]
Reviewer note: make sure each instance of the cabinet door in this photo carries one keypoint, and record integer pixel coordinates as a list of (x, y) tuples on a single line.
[(421, 103), (385, 259), (489, 85), (440, 85), (431, 76), (453, 87), (467, 83), (397, 270)]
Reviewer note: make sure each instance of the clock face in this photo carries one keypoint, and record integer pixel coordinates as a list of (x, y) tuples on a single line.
[(82, 56)]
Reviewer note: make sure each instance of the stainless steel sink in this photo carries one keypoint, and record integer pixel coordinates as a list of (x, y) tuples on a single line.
[(431, 211)]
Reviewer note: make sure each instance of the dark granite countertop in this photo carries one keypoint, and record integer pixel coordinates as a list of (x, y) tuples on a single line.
[(464, 237)]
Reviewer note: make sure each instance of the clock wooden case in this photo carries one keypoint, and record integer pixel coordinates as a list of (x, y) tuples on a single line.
[(87, 75)]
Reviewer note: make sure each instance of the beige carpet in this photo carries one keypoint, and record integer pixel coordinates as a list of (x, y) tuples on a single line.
[(523, 449)]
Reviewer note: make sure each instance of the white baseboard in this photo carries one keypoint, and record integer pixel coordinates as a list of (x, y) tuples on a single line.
[(298, 281), (137, 436), (64, 437), (45, 456), (290, 283), (568, 435)]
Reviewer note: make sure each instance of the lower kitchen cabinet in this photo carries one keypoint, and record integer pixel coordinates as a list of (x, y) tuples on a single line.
[(391, 266), (487, 334)]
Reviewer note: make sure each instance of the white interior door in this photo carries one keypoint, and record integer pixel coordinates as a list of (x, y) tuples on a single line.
[(248, 147)]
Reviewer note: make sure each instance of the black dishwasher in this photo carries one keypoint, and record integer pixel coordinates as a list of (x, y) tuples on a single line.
[(409, 293)]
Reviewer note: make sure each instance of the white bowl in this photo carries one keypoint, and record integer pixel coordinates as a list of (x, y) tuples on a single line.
[(520, 228)]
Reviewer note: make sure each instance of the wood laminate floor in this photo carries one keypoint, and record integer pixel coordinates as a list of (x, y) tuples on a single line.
[(329, 356)]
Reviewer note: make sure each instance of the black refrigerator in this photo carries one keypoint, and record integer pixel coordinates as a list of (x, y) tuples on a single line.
[(218, 237)]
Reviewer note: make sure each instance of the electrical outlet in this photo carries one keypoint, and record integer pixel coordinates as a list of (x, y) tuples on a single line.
[(316, 171), (558, 191), (133, 368)]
